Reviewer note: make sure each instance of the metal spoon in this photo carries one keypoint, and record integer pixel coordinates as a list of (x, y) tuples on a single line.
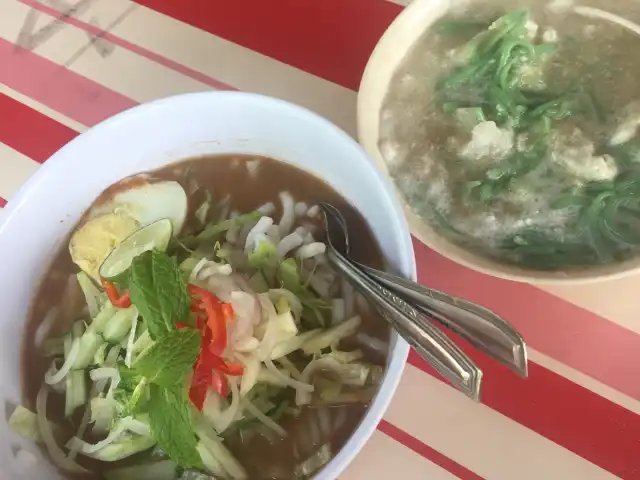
[(479, 326), (433, 345)]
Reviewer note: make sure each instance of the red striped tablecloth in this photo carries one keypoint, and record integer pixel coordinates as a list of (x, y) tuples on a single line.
[(65, 66)]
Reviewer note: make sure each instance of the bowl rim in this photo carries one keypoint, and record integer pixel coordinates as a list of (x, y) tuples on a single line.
[(52, 170), (399, 38)]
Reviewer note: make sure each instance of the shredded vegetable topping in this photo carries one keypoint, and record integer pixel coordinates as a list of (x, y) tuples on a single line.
[(231, 331)]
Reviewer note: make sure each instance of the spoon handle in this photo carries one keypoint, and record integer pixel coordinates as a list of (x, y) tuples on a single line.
[(481, 327), (433, 345)]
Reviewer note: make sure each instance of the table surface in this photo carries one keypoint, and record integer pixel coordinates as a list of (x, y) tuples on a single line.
[(67, 64)]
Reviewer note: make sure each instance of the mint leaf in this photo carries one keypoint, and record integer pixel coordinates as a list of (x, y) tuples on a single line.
[(170, 422), (170, 358), (136, 401), (131, 391), (158, 290), (128, 378)]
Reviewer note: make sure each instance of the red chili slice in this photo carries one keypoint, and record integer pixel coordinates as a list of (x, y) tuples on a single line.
[(210, 369), (199, 385), (119, 301), (220, 365)]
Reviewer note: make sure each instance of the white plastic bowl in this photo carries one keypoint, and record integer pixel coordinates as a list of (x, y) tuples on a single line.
[(39, 217)]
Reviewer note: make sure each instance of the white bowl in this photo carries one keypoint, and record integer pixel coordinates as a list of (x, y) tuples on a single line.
[(39, 217), (392, 48)]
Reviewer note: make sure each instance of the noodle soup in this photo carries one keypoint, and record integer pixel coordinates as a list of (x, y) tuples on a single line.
[(194, 328)]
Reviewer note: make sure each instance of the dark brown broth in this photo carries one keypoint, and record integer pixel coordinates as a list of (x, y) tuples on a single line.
[(222, 176)]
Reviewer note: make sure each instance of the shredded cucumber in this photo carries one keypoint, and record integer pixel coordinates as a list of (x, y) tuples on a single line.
[(221, 454), (125, 447), (76, 380), (100, 321), (331, 336), (90, 343), (119, 325)]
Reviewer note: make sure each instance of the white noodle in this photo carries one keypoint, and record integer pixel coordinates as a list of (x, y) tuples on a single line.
[(288, 243), (257, 232), (301, 209), (288, 214), (267, 209), (314, 211), (311, 250), (244, 232), (273, 234)]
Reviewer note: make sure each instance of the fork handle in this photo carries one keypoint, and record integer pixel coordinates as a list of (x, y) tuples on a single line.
[(430, 343)]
